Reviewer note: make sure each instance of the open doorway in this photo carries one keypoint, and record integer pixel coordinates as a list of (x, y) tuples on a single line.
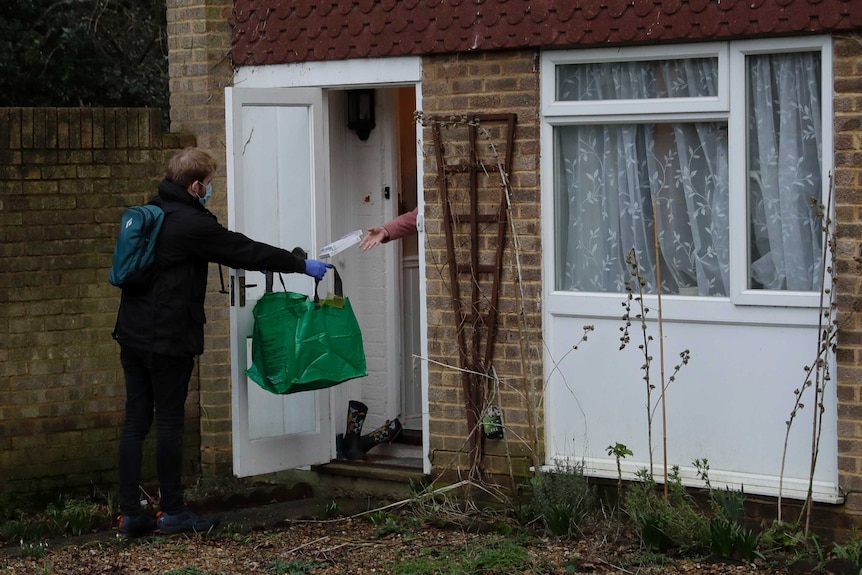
[(297, 175), (373, 179)]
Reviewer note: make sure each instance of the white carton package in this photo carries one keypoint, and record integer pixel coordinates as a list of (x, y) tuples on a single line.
[(340, 244)]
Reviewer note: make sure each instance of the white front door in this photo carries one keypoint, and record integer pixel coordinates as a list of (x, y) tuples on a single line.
[(277, 194)]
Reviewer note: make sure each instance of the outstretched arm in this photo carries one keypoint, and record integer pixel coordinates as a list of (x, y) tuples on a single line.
[(376, 236), (403, 225)]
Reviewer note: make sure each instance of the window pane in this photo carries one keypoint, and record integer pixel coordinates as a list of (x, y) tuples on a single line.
[(784, 171), (683, 78), (608, 178)]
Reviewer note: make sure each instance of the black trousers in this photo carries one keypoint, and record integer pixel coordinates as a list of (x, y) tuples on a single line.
[(156, 386)]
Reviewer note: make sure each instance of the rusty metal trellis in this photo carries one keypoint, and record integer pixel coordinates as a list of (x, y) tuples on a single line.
[(480, 239)]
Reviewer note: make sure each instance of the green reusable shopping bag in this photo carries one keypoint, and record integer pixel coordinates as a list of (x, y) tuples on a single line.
[(302, 344)]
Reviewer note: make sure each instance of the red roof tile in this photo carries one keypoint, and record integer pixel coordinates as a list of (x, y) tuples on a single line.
[(283, 31)]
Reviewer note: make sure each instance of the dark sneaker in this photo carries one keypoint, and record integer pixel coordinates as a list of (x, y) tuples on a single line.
[(186, 521), (136, 525)]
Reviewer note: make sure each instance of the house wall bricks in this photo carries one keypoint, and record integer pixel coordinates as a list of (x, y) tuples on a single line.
[(847, 184), (65, 177)]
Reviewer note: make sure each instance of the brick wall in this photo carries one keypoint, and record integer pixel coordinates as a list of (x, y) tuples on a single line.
[(487, 83), (65, 177), (200, 68), (847, 182)]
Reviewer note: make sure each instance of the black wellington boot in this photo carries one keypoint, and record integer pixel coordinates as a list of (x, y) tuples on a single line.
[(350, 444), (386, 433)]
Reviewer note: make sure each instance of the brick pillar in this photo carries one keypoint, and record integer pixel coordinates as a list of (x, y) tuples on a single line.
[(487, 83), (847, 184), (200, 68)]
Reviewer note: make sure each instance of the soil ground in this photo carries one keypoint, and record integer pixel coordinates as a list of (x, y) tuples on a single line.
[(283, 538)]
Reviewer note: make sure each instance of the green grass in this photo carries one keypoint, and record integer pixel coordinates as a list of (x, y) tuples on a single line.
[(494, 556), (296, 567), (65, 516), (187, 571)]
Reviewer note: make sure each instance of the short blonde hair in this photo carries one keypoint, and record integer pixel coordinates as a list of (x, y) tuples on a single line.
[(190, 165)]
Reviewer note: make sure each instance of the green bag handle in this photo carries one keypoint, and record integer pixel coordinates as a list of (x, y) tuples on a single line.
[(339, 286), (301, 253)]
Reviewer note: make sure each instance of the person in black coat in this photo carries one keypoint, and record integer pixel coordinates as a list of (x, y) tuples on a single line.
[(161, 329)]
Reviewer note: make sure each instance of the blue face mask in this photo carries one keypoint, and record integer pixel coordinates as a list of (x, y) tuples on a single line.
[(207, 195)]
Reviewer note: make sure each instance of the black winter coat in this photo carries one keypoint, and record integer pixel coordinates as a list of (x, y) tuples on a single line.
[(169, 318)]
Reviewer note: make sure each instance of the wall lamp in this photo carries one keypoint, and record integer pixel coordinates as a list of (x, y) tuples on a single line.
[(360, 112)]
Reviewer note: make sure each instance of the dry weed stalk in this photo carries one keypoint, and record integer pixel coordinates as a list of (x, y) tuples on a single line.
[(625, 339), (818, 374)]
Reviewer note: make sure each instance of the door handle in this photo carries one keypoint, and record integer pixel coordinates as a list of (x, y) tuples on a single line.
[(242, 288), (241, 291)]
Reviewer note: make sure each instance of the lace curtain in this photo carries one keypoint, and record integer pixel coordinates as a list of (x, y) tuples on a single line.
[(784, 162), (611, 178)]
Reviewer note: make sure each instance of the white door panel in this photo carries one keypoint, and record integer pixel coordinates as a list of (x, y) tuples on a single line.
[(277, 194)]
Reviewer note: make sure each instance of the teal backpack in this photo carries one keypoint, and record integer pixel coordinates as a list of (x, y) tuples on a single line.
[(134, 267)]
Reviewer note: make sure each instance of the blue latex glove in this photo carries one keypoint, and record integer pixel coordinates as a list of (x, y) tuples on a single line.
[(316, 269)]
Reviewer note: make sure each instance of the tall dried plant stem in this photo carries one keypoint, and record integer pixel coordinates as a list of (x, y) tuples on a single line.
[(497, 396), (821, 366), (634, 264), (825, 339), (520, 298), (532, 412), (660, 341)]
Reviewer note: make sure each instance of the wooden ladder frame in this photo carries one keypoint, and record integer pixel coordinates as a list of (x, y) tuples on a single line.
[(475, 362)]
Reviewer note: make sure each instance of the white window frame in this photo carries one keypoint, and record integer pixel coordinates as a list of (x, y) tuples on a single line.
[(740, 294), (604, 108), (729, 107)]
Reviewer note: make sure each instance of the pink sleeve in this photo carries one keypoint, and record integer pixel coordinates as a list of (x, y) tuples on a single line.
[(403, 225)]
